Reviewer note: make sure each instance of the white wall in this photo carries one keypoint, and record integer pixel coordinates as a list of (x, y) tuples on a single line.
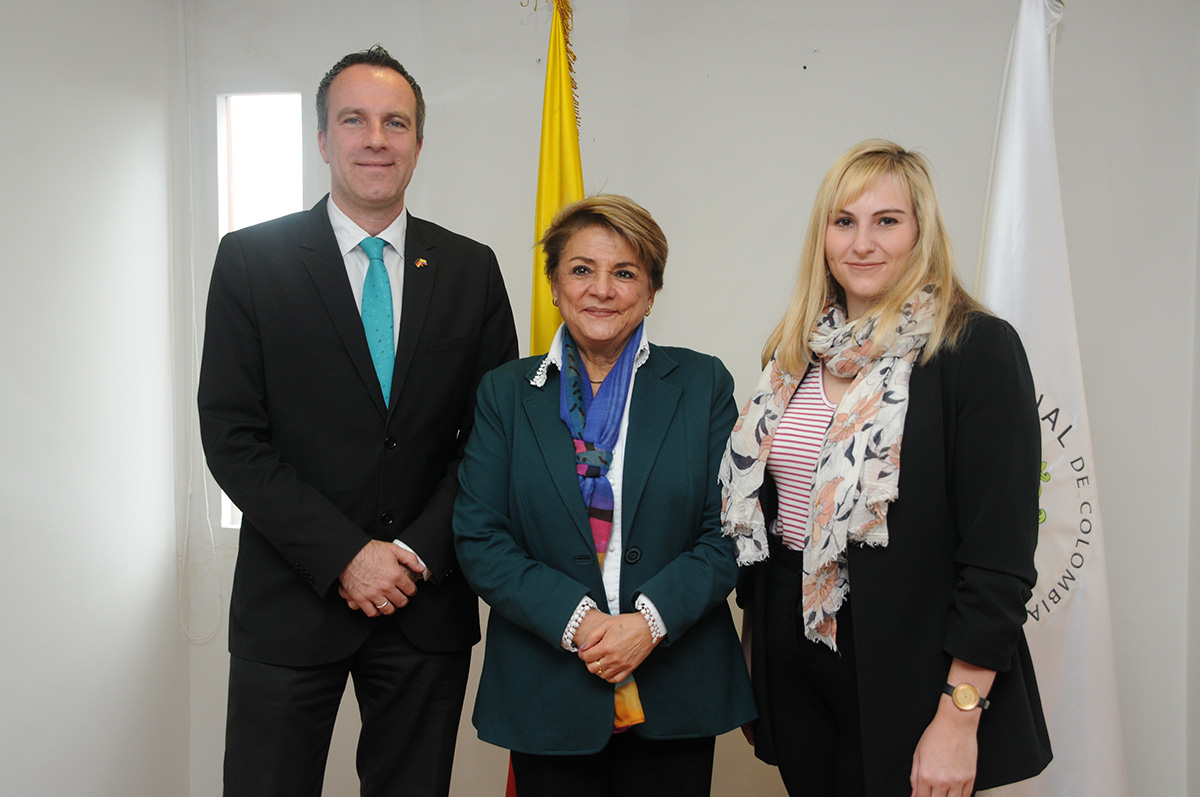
[(93, 675), (1193, 530), (719, 117), (1193, 527), (1129, 150)]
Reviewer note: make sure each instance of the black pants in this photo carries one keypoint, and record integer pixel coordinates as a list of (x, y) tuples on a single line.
[(812, 691), (629, 766), (280, 720)]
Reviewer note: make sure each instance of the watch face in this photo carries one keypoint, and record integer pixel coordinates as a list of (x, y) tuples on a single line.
[(965, 696)]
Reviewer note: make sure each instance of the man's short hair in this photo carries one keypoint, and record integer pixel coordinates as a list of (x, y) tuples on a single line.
[(375, 56)]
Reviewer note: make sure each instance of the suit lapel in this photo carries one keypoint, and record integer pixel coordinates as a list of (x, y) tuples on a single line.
[(652, 407), (555, 443), (420, 268), (327, 268)]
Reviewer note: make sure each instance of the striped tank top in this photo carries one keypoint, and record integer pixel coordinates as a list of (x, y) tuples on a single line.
[(794, 451)]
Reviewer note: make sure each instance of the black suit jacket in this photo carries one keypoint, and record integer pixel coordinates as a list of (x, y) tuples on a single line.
[(297, 433), (956, 572)]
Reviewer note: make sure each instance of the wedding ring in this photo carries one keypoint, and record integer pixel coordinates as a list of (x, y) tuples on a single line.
[(381, 605), (599, 671)]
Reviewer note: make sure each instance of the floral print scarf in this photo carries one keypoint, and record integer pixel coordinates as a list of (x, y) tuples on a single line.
[(858, 469), (595, 424)]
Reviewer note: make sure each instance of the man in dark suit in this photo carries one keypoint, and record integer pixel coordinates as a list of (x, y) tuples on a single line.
[(336, 395)]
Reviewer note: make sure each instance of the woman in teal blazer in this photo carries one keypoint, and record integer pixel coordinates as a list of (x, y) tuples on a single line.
[(611, 659)]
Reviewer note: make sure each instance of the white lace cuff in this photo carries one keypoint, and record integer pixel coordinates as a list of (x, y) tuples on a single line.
[(653, 618), (568, 637)]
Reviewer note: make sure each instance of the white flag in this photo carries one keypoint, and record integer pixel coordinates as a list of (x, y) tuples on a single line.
[(1025, 278)]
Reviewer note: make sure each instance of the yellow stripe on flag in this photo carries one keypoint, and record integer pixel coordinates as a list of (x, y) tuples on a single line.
[(560, 171)]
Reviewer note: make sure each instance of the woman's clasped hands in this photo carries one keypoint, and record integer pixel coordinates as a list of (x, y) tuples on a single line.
[(612, 647)]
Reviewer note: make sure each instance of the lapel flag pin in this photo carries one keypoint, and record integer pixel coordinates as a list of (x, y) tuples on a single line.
[(421, 262)]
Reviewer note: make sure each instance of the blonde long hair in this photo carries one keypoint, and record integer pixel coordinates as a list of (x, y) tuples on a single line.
[(931, 260)]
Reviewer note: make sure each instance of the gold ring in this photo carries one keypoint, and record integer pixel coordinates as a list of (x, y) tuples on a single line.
[(599, 670)]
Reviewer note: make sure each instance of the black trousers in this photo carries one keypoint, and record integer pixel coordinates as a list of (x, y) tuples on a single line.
[(280, 720), (812, 691), (629, 766)]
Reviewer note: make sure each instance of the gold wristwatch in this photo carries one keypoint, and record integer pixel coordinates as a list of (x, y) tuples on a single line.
[(966, 697)]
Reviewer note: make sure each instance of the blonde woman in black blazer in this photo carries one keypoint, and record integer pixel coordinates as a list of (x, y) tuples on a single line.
[(930, 465)]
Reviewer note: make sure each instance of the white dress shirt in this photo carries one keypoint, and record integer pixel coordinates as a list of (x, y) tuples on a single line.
[(349, 235)]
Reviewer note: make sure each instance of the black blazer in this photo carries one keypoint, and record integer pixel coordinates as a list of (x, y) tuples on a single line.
[(956, 573), (297, 433)]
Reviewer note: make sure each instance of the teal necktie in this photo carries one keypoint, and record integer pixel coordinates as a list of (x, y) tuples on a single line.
[(377, 315)]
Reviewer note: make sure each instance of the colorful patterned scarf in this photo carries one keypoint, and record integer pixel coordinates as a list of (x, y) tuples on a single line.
[(858, 470), (595, 424)]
